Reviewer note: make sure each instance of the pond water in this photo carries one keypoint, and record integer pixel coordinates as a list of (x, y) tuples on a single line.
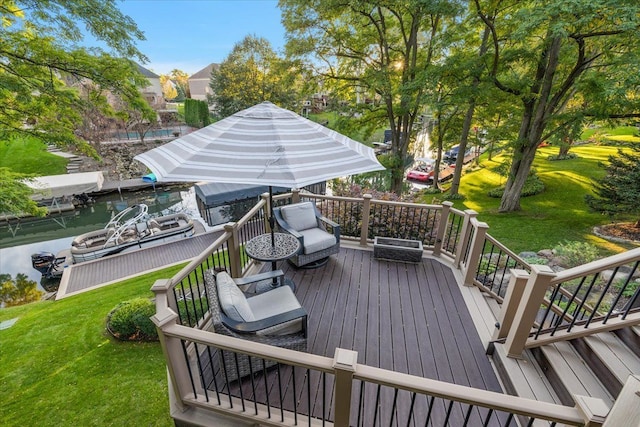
[(55, 233)]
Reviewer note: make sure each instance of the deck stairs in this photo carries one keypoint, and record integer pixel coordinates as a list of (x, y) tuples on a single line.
[(596, 366)]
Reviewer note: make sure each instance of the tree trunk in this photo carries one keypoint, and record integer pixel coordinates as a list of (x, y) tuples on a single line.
[(464, 137), (517, 177)]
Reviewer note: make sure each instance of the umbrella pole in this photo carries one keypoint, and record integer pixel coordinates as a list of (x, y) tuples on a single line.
[(272, 225), (271, 219)]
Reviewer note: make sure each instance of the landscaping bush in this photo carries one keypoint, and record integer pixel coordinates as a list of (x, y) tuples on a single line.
[(567, 156), (532, 186), (130, 320), (576, 253)]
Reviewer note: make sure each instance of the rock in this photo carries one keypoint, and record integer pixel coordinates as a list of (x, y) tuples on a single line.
[(545, 253), (528, 254)]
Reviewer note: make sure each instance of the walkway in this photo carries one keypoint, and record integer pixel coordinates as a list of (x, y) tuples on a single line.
[(105, 271)]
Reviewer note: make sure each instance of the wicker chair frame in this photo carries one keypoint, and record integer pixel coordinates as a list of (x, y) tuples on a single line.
[(237, 365), (324, 223)]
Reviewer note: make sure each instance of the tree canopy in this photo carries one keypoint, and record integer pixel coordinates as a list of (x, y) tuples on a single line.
[(557, 62), (55, 88), (524, 71), (379, 56), (619, 190), (252, 73), (44, 62)]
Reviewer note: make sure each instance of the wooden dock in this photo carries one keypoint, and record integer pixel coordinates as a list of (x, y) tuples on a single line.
[(90, 275)]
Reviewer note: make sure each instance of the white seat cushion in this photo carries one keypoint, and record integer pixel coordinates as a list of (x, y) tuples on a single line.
[(232, 301), (300, 216), (316, 239), (273, 302)]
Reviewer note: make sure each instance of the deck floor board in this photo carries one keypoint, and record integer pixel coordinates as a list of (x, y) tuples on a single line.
[(409, 318)]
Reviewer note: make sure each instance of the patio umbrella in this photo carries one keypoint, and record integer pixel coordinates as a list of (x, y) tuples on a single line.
[(264, 145)]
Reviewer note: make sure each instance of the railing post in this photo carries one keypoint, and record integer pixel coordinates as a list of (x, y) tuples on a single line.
[(532, 297), (593, 409), (477, 242), (171, 347), (234, 249), (442, 226), (344, 363), (465, 234), (267, 211), (366, 212), (626, 408), (511, 302), (295, 195)]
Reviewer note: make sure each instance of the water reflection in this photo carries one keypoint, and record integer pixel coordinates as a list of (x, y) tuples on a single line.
[(18, 240)]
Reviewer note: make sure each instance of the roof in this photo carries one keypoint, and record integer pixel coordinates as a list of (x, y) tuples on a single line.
[(147, 73), (66, 185), (205, 73)]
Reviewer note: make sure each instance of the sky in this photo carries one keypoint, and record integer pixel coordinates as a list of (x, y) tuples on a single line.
[(191, 34)]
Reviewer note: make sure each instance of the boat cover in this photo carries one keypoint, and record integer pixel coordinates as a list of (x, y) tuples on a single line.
[(218, 194), (56, 186)]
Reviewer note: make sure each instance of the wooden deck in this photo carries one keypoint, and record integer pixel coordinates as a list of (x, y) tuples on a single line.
[(104, 271), (409, 318)]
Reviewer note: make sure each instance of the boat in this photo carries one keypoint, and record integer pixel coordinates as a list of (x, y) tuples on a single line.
[(49, 265), (133, 227)]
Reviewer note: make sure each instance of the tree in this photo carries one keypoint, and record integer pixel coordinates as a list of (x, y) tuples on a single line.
[(252, 73), (15, 195), (196, 113), (19, 291), (169, 90), (137, 114), (181, 79), (619, 190), (377, 52), (544, 54), (42, 67)]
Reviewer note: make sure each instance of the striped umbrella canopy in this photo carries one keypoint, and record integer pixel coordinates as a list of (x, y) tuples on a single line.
[(263, 145)]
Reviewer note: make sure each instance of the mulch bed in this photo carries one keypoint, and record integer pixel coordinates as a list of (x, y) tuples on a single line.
[(624, 231)]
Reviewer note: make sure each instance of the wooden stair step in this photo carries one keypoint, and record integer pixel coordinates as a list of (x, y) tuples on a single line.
[(567, 370), (523, 377), (615, 357)]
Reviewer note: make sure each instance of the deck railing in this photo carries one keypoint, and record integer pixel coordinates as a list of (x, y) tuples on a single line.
[(600, 296), (191, 351)]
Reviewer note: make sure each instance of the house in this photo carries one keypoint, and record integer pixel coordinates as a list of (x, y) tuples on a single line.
[(199, 82), (153, 92), (470, 335)]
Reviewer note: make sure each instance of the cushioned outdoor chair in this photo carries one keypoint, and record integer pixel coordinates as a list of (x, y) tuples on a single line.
[(264, 314), (305, 222)]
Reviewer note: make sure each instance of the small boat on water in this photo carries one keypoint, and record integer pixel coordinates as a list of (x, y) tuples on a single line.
[(131, 228)]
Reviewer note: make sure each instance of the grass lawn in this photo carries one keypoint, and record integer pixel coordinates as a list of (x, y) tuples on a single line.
[(558, 214), (59, 367), (30, 156), (621, 133)]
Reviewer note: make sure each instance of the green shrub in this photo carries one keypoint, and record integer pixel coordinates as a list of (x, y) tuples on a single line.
[(567, 156), (536, 260), (577, 253), (454, 197), (532, 186), (130, 320), (629, 291)]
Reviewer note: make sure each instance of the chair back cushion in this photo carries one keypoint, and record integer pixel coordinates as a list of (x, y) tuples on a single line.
[(300, 216), (232, 300)]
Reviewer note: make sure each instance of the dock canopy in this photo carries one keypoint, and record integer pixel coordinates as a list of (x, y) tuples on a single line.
[(218, 193), (58, 186)]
